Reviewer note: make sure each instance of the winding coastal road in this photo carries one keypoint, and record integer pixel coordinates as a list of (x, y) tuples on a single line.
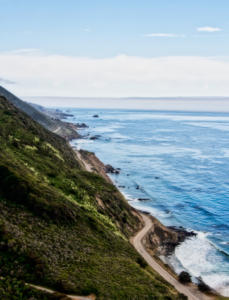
[(137, 243)]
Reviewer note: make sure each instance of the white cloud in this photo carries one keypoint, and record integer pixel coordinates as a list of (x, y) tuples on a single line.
[(208, 29), (38, 74), (168, 35), (25, 51)]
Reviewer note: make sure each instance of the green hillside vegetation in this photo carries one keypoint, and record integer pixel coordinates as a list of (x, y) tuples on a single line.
[(60, 226)]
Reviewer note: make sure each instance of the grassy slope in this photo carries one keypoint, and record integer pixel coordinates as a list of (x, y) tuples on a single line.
[(53, 232)]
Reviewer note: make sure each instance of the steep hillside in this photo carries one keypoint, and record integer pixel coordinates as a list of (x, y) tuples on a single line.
[(63, 129), (60, 226)]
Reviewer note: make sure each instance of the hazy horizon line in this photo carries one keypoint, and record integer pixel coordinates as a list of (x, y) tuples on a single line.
[(134, 97)]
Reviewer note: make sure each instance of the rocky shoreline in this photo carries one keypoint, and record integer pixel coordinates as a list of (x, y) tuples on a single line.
[(162, 240)]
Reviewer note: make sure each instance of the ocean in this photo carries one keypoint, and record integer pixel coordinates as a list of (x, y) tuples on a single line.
[(178, 163)]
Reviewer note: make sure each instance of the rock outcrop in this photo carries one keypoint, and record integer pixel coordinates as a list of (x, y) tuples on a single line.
[(162, 240)]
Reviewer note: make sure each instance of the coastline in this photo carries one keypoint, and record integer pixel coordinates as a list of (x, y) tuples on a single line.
[(159, 240), (165, 174)]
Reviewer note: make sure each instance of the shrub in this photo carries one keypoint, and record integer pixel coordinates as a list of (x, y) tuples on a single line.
[(141, 262), (184, 277), (182, 297)]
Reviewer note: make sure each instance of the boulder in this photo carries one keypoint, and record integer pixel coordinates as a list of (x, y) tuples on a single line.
[(111, 170), (81, 125), (184, 277), (202, 286), (95, 137), (143, 199)]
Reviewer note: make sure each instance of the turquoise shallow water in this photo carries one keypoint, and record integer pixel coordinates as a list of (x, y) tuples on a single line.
[(179, 162)]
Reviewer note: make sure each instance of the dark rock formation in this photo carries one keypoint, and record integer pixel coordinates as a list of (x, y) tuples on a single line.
[(184, 277), (95, 137), (81, 125), (203, 287), (163, 240), (95, 116), (111, 170), (182, 233)]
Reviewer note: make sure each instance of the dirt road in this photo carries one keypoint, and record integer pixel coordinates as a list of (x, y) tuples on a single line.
[(137, 243)]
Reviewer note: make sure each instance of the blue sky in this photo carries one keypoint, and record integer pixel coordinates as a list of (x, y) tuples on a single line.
[(190, 36), (100, 28)]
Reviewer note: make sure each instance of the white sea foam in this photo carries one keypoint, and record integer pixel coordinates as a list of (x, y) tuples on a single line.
[(128, 197), (199, 257), (213, 125), (117, 135), (165, 217), (225, 152), (224, 243), (111, 128), (79, 142)]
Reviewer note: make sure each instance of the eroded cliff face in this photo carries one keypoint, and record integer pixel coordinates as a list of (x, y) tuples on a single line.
[(93, 164), (162, 240)]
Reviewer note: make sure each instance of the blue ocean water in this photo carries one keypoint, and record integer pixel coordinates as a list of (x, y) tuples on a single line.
[(179, 163)]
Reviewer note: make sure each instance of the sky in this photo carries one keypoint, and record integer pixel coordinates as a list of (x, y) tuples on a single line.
[(98, 48)]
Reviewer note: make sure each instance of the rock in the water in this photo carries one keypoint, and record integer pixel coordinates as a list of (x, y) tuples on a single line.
[(95, 137), (182, 233), (81, 125), (144, 212), (111, 170), (143, 199), (95, 116)]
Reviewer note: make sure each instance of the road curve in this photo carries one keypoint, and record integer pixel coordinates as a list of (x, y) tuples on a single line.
[(137, 243)]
